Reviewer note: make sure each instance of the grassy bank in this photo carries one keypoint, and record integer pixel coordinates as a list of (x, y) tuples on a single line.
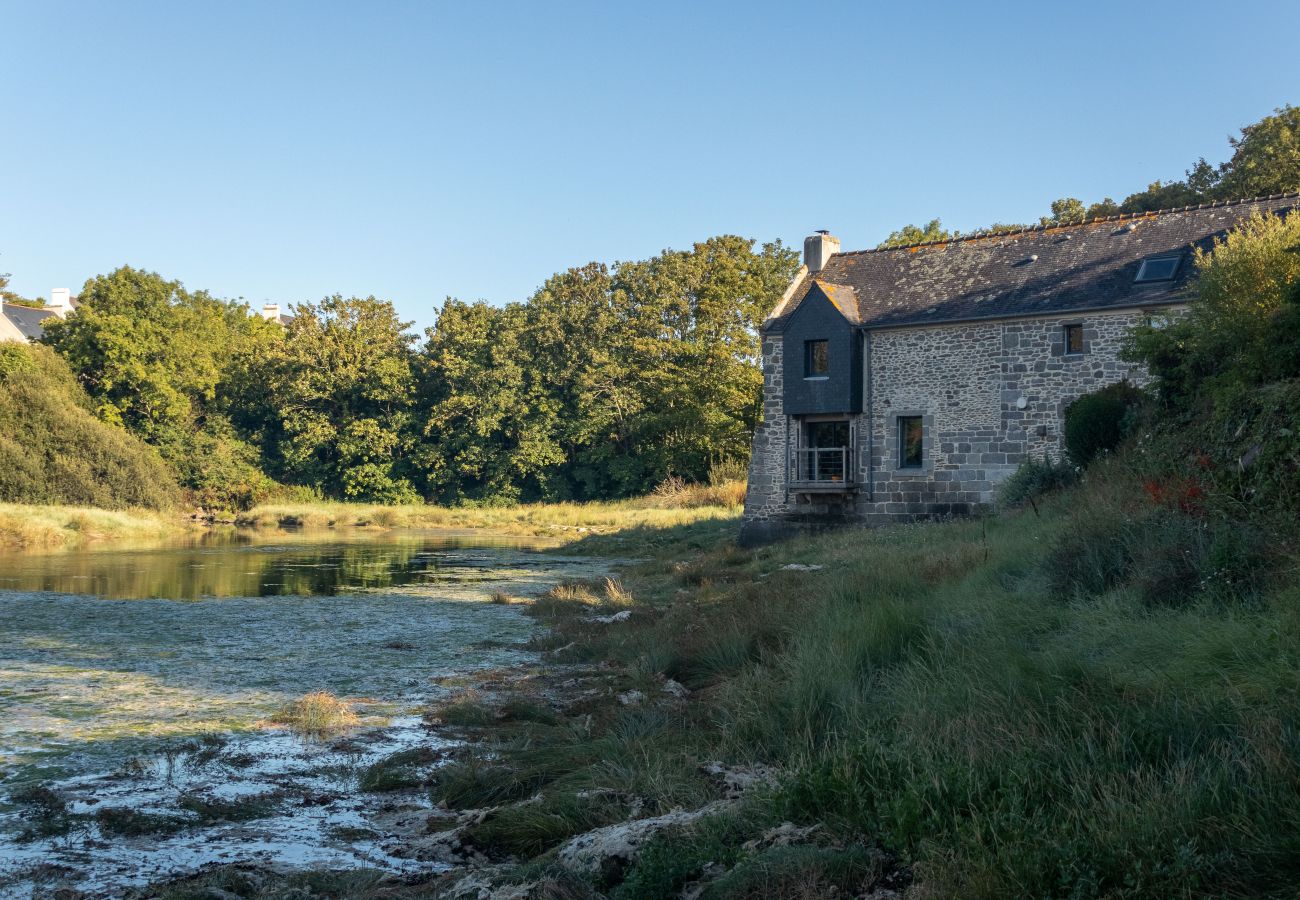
[(987, 708), (710, 511), (534, 518), (24, 526)]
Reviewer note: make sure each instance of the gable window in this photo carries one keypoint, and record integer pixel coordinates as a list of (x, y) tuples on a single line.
[(1158, 268), (911, 440), (1073, 340), (816, 359)]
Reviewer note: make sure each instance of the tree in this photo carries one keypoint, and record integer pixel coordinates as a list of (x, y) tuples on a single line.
[(1160, 195), (917, 234), (1243, 327), (1265, 159), (694, 318), (488, 426), (338, 398), (1066, 211), (601, 384), (153, 357)]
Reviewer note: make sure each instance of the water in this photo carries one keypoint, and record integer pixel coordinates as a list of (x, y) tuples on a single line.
[(118, 667)]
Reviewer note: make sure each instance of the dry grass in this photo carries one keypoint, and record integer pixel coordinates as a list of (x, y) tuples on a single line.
[(535, 518), (26, 526), (318, 713), (44, 527), (675, 493)]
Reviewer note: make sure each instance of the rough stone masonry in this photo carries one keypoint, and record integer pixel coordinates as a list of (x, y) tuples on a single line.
[(974, 347)]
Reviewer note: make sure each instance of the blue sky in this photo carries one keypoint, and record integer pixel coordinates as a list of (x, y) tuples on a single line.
[(285, 151)]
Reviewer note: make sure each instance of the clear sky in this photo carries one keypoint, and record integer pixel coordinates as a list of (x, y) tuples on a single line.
[(284, 151)]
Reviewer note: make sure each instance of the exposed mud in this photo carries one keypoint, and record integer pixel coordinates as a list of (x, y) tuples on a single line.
[(133, 744)]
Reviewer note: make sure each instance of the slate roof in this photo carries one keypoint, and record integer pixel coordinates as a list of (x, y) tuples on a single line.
[(27, 319), (1034, 271)]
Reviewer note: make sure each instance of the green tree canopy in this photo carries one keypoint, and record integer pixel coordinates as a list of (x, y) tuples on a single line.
[(918, 234), (154, 358), (337, 399), (1244, 325)]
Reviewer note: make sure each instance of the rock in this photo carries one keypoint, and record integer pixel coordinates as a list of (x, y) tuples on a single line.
[(631, 698), (607, 851), (622, 616), (740, 779), (1248, 458), (214, 893), (800, 567), (783, 835), (675, 689)]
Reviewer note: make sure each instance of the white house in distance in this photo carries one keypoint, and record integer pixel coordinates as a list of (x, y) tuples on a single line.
[(27, 323)]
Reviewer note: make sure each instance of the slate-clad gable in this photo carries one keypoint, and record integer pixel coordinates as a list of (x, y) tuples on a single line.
[(819, 318), (1040, 271)]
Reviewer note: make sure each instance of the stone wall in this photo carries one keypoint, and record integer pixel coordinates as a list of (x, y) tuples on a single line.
[(989, 394), (765, 499)]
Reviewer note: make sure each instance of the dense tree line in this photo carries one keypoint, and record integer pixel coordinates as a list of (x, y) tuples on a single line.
[(1265, 160), (602, 384)]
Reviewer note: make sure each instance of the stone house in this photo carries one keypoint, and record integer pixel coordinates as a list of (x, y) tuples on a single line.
[(906, 383)]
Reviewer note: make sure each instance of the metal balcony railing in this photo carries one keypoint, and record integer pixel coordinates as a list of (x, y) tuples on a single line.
[(824, 465)]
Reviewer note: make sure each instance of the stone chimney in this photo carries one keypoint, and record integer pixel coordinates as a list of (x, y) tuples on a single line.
[(61, 302), (271, 312), (817, 249)]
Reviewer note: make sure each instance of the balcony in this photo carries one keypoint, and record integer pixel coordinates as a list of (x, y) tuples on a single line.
[(823, 469)]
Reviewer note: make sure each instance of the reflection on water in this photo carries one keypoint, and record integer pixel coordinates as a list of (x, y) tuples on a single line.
[(237, 563), (102, 645)]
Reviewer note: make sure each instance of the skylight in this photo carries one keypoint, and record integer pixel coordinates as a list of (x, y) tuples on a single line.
[(1158, 268)]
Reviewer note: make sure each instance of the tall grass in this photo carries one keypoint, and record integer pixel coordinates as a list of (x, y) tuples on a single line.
[(1006, 724), (35, 527)]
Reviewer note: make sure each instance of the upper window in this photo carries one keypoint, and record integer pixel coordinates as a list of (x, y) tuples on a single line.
[(1158, 268), (911, 440), (817, 358), (1073, 338)]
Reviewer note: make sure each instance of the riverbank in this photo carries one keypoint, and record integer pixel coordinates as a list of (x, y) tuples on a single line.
[(24, 526), (960, 709)]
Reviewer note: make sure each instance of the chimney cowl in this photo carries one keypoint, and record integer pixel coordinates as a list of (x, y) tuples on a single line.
[(817, 249)]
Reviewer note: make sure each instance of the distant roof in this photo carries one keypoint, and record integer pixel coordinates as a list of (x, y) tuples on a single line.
[(1032, 271), (27, 319)]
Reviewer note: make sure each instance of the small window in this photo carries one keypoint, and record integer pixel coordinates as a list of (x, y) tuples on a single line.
[(817, 358), (1159, 268), (911, 438), (1074, 339)]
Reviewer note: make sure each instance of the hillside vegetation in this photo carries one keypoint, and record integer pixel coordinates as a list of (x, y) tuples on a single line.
[(56, 451)]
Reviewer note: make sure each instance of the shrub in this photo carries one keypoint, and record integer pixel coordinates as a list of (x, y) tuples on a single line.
[(56, 451), (398, 771), (1243, 327), (1097, 423), (1034, 478), (318, 713)]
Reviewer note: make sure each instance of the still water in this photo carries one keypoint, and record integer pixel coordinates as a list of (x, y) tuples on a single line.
[(108, 655)]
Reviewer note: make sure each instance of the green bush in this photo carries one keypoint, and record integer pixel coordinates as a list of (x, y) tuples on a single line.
[(1097, 423), (56, 451), (1034, 478)]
